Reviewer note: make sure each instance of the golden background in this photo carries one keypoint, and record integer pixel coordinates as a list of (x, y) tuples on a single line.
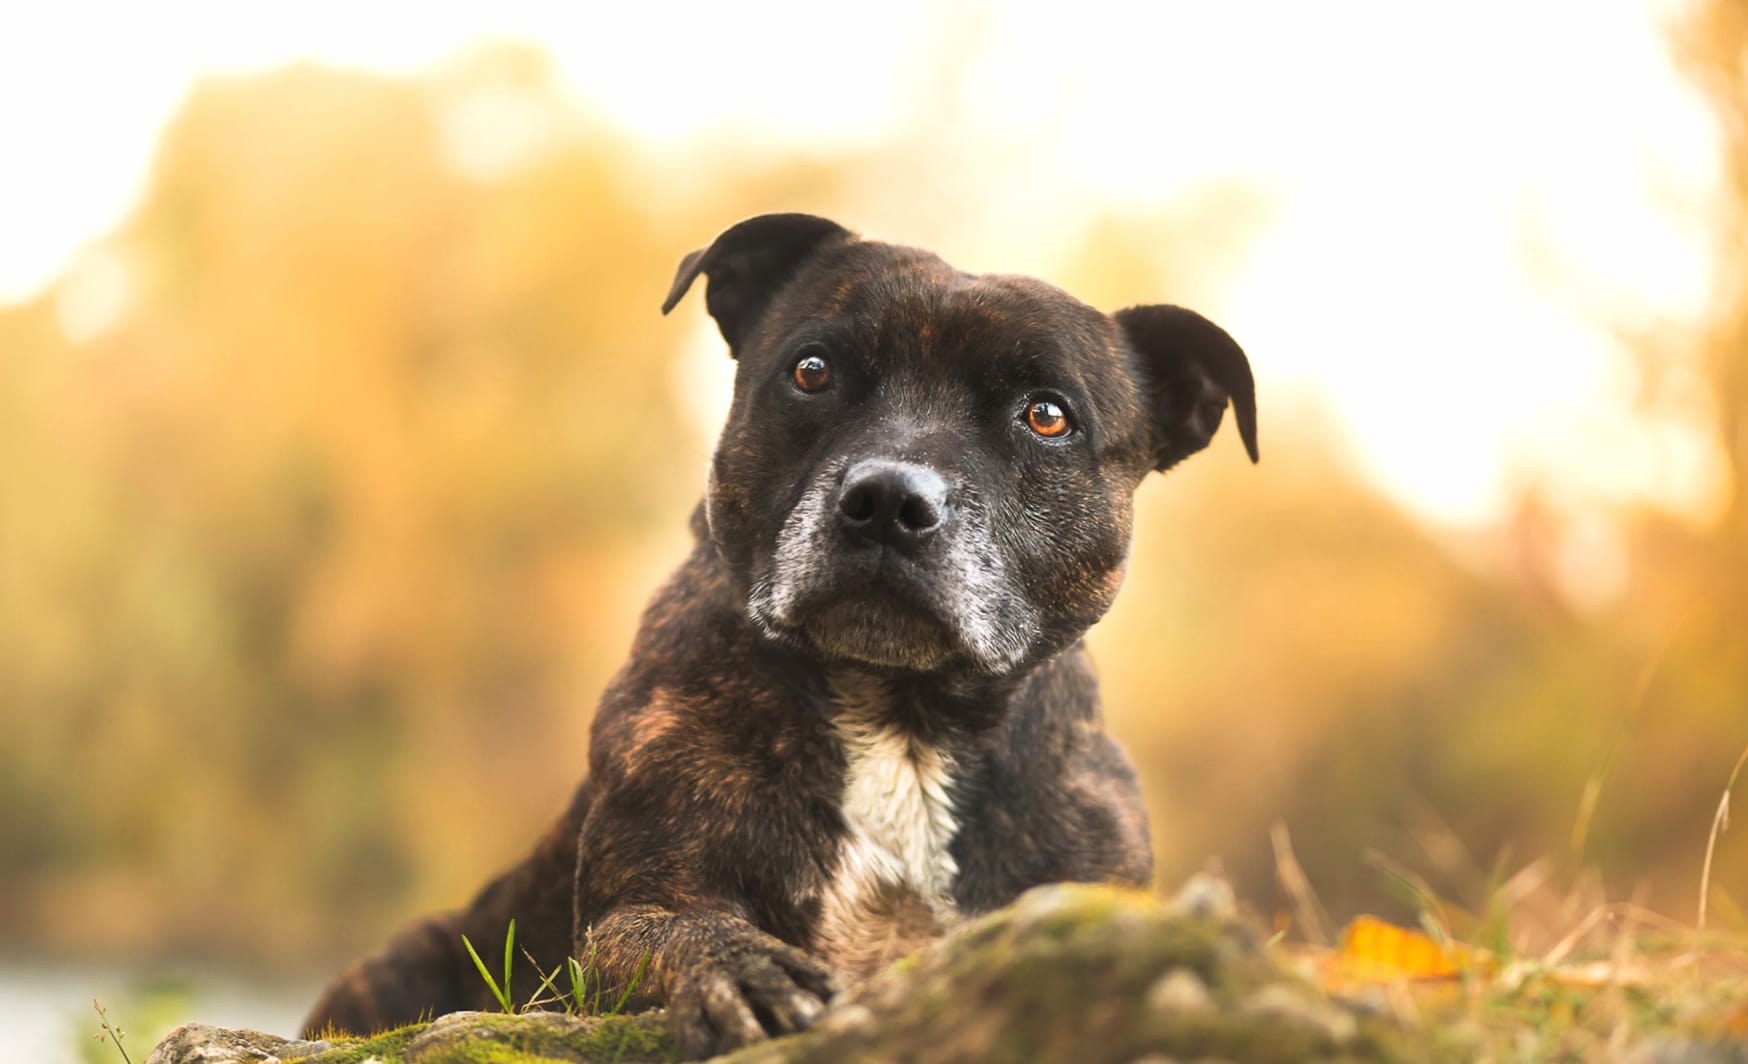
[(333, 480)]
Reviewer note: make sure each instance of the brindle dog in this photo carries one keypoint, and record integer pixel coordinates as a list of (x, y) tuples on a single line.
[(860, 711)]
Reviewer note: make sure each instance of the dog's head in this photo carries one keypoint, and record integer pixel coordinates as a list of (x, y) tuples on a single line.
[(928, 470)]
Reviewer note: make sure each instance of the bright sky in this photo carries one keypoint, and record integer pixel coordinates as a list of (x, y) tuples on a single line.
[(1465, 198)]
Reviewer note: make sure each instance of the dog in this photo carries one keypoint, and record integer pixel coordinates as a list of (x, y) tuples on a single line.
[(860, 710)]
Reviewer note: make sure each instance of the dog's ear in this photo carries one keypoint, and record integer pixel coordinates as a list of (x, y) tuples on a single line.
[(747, 263), (1191, 368)]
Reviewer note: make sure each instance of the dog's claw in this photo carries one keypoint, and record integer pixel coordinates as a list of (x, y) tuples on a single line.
[(729, 1016), (753, 990)]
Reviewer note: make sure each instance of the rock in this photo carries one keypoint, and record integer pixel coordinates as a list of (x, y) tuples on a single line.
[(459, 1038), (216, 1045), (1067, 973), (1205, 897), (1291, 1004), (1179, 991)]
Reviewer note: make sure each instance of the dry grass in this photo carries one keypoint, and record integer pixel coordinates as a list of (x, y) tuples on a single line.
[(1552, 970), (1720, 821)]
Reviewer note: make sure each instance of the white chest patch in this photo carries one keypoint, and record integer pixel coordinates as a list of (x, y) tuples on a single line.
[(891, 890)]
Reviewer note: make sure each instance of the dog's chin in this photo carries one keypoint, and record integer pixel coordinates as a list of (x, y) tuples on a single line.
[(880, 633)]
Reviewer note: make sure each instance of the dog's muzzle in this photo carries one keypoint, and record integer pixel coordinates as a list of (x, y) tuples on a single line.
[(892, 563)]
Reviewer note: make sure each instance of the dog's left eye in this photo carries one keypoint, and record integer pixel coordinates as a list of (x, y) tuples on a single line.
[(812, 372), (1047, 418)]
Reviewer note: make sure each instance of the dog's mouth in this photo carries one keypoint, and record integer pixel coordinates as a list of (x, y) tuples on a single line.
[(876, 632), (876, 611)]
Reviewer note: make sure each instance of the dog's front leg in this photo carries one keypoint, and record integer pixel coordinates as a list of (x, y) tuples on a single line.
[(725, 982)]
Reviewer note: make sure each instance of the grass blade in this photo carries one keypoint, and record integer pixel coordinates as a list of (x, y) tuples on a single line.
[(631, 987), (580, 982), (1720, 821), (548, 984), (509, 951), (485, 973)]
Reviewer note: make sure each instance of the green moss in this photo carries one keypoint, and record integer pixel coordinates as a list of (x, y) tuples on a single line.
[(387, 1047), (638, 1037), (1083, 910), (532, 1038), (486, 1053)]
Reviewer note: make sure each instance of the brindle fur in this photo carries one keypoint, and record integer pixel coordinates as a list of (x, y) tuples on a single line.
[(707, 833)]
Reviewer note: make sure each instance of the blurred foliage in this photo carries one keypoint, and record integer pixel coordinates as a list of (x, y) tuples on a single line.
[(310, 561), (318, 543)]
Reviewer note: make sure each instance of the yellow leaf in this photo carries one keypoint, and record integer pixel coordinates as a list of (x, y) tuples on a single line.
[(1375, 951)]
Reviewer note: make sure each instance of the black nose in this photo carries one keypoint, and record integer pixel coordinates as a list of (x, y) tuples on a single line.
[(892, 502)]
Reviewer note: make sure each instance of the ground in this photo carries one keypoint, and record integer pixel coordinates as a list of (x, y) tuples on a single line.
[(1097, 974)]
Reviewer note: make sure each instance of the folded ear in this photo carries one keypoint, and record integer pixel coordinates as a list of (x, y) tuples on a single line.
[(746, 265), (1191, 368)]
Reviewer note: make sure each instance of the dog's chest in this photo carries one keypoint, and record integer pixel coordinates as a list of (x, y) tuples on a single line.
[(891, 888)]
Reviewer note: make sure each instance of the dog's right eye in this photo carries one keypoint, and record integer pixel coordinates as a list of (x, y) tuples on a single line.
[(812, 372)]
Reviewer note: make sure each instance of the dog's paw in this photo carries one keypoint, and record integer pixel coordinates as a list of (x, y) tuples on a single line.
[(748, 989)]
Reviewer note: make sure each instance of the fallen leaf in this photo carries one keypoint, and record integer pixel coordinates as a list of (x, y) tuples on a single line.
[(1375, 951)]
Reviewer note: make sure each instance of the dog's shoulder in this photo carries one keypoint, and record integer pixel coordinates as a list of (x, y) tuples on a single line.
[(1049, 796)]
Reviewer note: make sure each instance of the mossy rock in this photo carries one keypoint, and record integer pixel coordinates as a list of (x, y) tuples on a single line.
[(1082, 973), (1094, 974), (459, 1038), (534, 1038)]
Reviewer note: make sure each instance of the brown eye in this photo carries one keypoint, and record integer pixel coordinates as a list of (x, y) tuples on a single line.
[(813, 373), (1047, 419)]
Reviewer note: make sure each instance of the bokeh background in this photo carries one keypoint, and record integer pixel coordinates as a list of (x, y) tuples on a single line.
[(341, 440)]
